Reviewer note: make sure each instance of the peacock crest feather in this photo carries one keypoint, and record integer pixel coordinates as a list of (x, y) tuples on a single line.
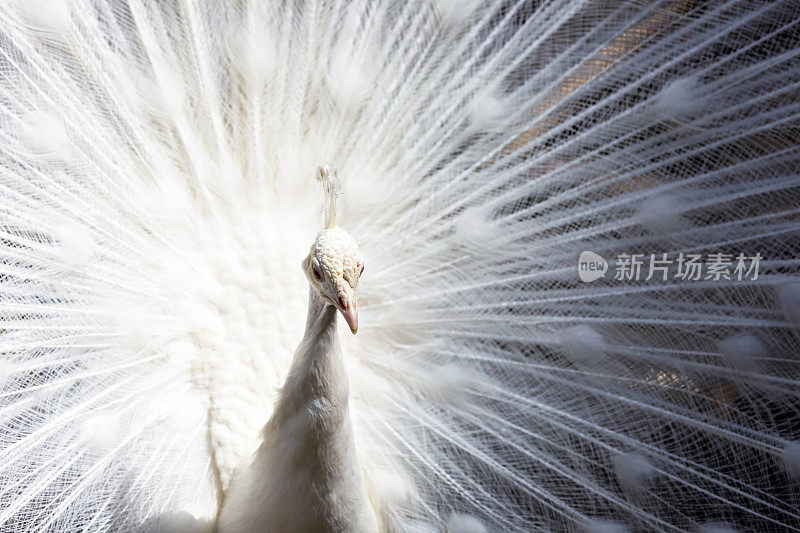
[(331, 189)]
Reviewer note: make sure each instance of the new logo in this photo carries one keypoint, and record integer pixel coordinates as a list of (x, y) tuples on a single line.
[(591, 266)]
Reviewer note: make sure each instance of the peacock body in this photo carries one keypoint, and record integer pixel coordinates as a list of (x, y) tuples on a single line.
[(157, 199)]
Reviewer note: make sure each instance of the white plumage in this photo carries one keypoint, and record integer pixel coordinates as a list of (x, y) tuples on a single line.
[(305, 475), (157, 197)]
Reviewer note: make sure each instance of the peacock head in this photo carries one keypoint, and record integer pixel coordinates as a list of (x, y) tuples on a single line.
[(334, 264), (333, 268)]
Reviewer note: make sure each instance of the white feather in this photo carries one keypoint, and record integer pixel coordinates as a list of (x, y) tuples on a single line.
[(742, 351), (791, 459), (633, 471), (680, 98), (461, 523), (717, 527), (606, 526)]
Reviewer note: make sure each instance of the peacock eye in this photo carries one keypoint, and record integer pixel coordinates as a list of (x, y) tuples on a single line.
[(317, 274)]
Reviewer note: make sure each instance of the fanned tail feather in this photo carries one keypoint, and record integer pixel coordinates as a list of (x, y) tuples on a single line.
[(157, 196)]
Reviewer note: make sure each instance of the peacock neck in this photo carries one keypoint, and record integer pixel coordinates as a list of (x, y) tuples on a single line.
[(317, 371), (305, 476), (321, 320)]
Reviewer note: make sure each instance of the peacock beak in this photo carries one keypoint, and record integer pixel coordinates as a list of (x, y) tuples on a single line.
[(349, 309)]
